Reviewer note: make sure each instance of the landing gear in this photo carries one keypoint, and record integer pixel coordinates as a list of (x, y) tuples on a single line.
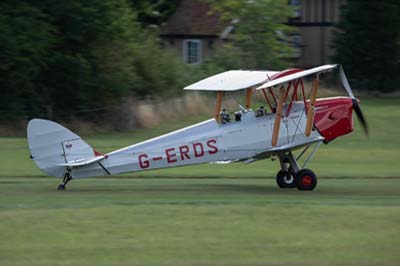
[(66, 179), (291, 175), (306, 180), (285, 179)]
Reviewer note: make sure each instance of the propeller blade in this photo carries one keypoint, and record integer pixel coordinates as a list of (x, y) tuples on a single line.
[(345, 82), (356, 106), (360, 116)]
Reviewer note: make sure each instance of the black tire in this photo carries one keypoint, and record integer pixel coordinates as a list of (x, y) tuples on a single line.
[(285, 180), (306, 180), (61, 187)]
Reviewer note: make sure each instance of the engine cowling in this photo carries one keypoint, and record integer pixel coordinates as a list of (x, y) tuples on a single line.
[(334, 117)]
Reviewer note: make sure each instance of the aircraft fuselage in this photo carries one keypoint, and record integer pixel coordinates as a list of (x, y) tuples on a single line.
[(206, 142)]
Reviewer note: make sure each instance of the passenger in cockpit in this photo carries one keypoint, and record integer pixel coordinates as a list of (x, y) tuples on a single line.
[(238, 116), (224, 116), (261, 111)]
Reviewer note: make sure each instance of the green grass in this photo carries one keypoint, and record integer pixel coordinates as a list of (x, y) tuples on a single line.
[(120, 221), (352, 218)]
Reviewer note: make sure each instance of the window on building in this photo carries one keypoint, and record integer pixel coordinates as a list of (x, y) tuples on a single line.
[(192, 51), (296, 4), (297, 44)]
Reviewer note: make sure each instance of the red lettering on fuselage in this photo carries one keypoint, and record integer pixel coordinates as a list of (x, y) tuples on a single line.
[(171, 157), (211, 145), (184, 150), (198, 150), (143, 162)]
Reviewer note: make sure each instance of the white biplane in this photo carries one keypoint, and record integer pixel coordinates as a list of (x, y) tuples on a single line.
[(294, 121)]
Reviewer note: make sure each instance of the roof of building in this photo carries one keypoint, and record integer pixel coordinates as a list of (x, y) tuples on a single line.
[(194, 17)]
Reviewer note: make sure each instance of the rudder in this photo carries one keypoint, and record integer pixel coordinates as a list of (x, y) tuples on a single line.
[(51, 144)]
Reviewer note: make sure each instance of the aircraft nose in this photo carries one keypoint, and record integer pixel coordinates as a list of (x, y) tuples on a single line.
[(334, 117)]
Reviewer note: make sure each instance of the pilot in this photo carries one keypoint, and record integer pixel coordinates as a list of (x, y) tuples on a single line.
[(260, 111), (224, 116), (238, 116)]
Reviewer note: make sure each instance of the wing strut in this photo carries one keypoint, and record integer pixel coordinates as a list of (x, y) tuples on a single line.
[(267, 99), (311, 106), (278, 117), (249, 92), (218, 106)]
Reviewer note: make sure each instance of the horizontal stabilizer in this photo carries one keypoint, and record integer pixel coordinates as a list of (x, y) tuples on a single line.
[(83, 162)]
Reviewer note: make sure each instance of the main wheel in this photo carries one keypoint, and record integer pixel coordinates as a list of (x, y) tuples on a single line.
[(306, 180), (61, 187), (285, 179)]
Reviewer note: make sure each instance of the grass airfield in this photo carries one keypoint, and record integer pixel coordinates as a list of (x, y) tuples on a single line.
[(223, 221), (210, 214)]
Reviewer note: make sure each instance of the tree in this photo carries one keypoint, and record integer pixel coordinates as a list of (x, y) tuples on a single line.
[(61, 57), (92, 61), (154, 12), (160, 71), (25, 39), (260, 39), (367, 44)]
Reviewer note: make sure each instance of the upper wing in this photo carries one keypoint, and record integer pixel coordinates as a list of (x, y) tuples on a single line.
[(232, 80), (299, 74)]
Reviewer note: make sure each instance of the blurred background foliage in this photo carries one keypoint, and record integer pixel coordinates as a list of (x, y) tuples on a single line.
[(261, 35), (61, 59), (367, 43)]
